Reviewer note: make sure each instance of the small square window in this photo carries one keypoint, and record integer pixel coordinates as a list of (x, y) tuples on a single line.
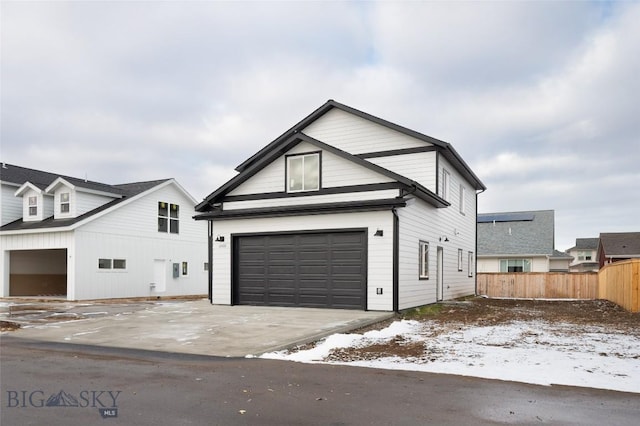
[(119, 264), (104, 263)]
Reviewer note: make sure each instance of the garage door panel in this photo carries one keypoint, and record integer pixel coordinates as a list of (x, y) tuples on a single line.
[(313, 269)]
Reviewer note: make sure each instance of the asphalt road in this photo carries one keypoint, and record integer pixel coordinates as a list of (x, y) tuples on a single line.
[(90, 385)]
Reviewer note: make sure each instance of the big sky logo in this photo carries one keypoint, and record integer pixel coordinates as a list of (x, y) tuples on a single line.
[(104, 400)]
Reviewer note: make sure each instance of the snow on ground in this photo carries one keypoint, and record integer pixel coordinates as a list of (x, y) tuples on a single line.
[(536, 352)]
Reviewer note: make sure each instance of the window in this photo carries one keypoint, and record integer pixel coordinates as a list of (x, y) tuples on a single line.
[(168, 217), (515, 265), (424, 260), (446, 178), (104, 263), (584, 255), (206, 266), (470, 263), (462, 194), (119, 264), (64, 202), (185, 268), (459, 259), (303, 172), (33, 206)]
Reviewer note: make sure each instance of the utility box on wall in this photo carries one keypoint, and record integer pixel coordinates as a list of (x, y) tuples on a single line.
[(176, 270)]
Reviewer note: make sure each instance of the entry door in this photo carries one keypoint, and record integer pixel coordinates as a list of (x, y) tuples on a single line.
[(160, 275), (440, 275)]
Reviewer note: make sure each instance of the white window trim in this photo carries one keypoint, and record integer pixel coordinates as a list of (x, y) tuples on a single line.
[(470, 264), (446, 184), (460, 266), (523, 260), (67, 203), (423, 260), (288, 173), (463, 199)]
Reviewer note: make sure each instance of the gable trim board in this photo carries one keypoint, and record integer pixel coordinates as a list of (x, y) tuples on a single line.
[(391, 209)]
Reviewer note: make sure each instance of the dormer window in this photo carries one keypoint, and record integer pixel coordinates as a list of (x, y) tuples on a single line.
[(64, 202), (33, 206), (303, 172)]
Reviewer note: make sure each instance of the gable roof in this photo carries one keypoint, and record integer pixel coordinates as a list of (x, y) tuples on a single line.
[(620, 244), (519, 236), (18, 175), (585, 244), (122, 193), (295, 135)]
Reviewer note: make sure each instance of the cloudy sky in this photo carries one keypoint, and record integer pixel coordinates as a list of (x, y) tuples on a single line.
[(540, 98)]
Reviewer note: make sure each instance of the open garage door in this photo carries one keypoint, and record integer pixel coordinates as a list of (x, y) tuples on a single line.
[(38, 272), (316, 269)]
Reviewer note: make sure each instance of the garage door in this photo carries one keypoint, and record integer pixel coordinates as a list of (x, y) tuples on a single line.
[(315, 269)]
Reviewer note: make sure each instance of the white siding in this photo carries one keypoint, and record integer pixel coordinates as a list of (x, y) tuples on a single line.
[(336, 171), (380, 249), (11, 206), (131, 233), (421, 222), (357, 135), (82, 202), (492, 264), (318, 199), (420, 167)]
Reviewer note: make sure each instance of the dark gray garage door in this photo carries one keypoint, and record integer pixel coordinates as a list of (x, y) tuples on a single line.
[(325, 270)]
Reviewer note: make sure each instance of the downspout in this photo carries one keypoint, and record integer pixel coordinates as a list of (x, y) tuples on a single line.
[(210, 258), (396, 260), (475, 263)]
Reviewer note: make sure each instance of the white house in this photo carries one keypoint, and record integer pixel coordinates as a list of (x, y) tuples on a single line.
[(68, 237), (584, 255), (345, 210)]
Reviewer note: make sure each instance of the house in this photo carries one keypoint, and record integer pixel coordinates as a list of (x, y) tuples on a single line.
[(344, 210), (519, 242), (618, 246), (584, 255), (78, 239)]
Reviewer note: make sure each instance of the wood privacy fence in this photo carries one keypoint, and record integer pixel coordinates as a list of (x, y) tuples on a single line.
[(539, 285), (619, 283)]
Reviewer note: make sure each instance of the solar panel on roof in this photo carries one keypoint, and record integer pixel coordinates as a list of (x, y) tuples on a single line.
[(505, 217)]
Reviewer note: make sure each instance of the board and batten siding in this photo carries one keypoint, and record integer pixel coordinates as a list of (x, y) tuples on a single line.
[(11, 208), (131, 233), (419, 221), (357, 135), (420, 167), (336, 171), (379, 249), (39, 241)]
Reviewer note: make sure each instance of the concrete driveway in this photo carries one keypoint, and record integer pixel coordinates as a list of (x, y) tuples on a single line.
[(194, 327)]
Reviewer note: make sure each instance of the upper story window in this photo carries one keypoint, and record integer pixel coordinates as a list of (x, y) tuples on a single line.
[(446, 183), (584, 255), (463, 196), (303, 172), (64, 202), (33, 206), (168, 217)]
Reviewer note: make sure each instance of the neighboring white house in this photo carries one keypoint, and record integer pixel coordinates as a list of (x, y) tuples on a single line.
[(68, 237), (345, 210), (519, 242), (584, 255)]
